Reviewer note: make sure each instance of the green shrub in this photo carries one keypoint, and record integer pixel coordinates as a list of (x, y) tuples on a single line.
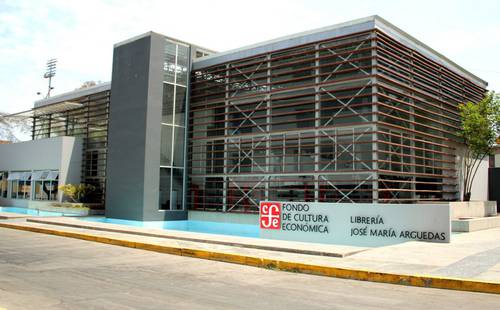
[(77, 193)]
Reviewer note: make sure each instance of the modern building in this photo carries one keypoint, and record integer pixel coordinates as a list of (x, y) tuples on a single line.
[(83, 113), (68, 126), (358, 112)]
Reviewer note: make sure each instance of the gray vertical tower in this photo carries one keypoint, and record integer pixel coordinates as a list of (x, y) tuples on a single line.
[(145, 171)]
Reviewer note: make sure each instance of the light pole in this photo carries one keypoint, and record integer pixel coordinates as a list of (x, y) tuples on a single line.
[(50, 73)]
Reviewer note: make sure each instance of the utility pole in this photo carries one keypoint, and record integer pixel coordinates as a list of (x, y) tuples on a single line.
[(50, 73)]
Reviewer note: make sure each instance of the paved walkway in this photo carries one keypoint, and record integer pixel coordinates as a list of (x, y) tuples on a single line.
[(41, 271), (473, 255)]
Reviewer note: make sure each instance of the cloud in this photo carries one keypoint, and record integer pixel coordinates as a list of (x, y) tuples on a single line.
[(81, 34)]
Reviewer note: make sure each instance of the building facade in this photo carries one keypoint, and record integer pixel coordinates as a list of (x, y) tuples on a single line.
[(69, 146), (31, 171), (84, 114), (146, 172), (359, 112)]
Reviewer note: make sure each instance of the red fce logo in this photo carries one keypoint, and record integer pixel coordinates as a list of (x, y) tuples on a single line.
[(270, 215)]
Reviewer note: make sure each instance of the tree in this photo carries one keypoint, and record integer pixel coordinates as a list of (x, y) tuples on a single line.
[(88, 84), (480, 124), (14, 128)]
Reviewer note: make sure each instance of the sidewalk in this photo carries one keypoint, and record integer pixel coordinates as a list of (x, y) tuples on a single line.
[(9, 215), (245, 242), (470, 262)]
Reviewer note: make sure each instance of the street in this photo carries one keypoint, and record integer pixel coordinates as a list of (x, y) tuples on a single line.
[(39, 271)]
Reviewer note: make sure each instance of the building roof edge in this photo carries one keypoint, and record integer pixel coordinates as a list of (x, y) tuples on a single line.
[(345, 28), (73, 94), (390, 28)]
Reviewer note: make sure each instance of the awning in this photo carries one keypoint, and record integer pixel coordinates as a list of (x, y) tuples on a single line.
[(22, 176), (39, 175), (48, 109), (14, 176), (52, 175), (25, 176)]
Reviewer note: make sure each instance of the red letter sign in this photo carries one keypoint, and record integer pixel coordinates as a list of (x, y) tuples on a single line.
[(270, 215)]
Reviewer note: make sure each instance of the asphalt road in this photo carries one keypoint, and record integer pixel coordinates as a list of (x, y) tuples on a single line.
[(40, 271)]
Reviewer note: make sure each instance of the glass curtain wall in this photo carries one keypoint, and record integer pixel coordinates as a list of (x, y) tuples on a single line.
[(20, 184), (45, 183), (175, 79)]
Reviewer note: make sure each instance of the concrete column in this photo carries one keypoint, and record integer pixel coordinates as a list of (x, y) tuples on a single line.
[(134, 145)]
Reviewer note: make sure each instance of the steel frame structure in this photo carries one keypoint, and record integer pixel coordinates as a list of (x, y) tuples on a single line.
[(357, 118), (87, 117)]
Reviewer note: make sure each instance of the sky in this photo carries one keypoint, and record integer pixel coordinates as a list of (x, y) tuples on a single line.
[(81, 34)]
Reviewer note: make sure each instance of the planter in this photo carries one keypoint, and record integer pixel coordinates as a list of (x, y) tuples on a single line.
[(66, 207), (475, 224), (468, 209)]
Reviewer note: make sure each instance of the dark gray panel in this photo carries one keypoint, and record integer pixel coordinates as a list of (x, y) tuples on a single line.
[(127, 130), (493, 185), (133, 171), (153, 128)]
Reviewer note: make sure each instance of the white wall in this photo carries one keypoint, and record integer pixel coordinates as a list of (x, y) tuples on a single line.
[(31, 155), (480, 185), (497, 160), (479, 189), (70, 164)]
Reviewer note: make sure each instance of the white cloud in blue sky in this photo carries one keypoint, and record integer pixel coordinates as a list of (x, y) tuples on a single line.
[(81, 34)]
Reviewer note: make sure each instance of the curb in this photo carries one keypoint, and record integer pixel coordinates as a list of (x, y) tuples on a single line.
[(353, 274), (199, 240), (9, 216)]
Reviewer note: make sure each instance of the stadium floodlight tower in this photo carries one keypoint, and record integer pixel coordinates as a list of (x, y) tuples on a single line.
[(50, 73)]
